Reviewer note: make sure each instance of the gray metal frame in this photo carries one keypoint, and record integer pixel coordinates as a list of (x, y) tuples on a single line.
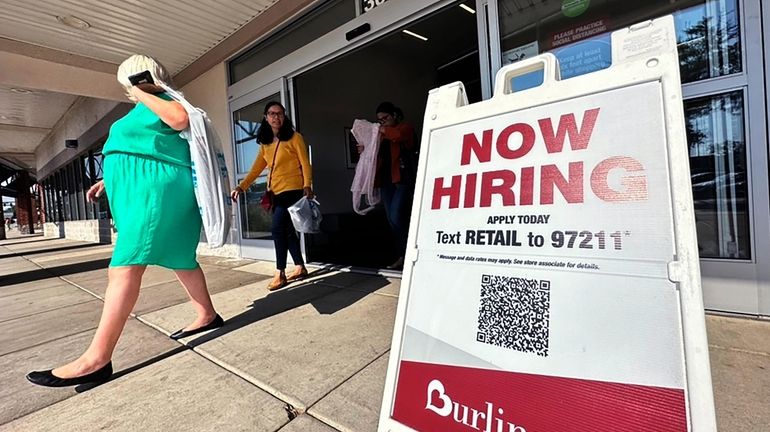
[(250, 248), (743, 286), (760, 52), (482, 23), (382, 19)]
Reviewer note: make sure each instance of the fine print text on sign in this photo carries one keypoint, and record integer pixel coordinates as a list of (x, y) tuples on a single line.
[(540, 297)]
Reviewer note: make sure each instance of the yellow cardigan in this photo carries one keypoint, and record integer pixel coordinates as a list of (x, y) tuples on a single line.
[(292, 165)]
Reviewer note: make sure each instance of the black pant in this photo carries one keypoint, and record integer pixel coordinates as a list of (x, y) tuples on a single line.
[(284, 234)]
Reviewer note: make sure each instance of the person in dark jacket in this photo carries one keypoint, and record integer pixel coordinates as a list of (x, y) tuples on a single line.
[(396, 173)]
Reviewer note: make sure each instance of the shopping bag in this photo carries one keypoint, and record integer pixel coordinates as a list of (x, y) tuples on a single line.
[(209, 170), (306, 216)]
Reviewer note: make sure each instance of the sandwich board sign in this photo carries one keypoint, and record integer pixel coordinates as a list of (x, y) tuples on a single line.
[(552, 279)]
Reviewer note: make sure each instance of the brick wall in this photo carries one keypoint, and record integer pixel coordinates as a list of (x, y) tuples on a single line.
[(97, 231), (101, 231)]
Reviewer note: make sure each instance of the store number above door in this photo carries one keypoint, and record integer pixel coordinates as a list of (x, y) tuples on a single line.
[(368, 5)]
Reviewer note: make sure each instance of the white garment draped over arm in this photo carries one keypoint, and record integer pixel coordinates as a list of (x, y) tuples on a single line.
[(210, 178), (368, 135)]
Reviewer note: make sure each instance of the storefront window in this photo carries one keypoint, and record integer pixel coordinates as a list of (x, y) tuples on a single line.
[(717, 141), (255, 222), (84, 209), (709, 44), (709, 41), (246, 123), (708, 34), (65, 190)]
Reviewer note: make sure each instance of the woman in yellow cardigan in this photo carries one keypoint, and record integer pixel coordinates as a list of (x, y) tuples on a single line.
[(283, 151)]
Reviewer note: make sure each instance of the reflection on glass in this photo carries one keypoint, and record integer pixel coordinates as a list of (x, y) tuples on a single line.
[(98, 164), (708, 37), (708, 34), (586, 56), (246, 123), (255, 221), (717, 143), (102, 205), (66, 194), (98, 160)]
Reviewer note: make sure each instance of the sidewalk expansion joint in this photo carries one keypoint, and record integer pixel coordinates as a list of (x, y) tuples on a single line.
[(310, 415), (272, 391), (740, 350), (80, 287), (2, 321), (328, 422), (88, 330)]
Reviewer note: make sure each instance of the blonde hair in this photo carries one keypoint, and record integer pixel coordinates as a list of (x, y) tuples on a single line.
[(139, 63)]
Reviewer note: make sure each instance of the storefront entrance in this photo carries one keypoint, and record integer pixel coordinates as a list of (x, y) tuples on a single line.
[(254, 222), (368, 58), (400, 67)]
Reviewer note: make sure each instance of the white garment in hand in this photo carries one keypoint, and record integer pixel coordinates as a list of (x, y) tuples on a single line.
[(210, 178), (368, 135)]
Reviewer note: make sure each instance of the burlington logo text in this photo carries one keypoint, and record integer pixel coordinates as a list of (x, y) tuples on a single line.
[(487, 419)]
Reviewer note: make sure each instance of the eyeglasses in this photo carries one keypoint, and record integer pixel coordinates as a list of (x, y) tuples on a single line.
[(383, 119), (275, 114)]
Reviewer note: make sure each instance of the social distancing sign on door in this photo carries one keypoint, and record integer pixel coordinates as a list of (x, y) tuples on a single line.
[(552, 276)]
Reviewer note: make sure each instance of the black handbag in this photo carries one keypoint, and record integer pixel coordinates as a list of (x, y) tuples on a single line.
[(268, 198)]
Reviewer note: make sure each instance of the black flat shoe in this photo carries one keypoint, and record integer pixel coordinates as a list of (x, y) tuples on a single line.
[(182, 333), (48, 379)]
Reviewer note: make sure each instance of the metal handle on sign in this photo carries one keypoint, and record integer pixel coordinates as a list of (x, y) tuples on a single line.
[(546, 62)]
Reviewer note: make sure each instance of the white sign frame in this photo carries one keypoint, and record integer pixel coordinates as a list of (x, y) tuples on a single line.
[(643, 53)]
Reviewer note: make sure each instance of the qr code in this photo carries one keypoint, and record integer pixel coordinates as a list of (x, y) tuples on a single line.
[(514, 313)]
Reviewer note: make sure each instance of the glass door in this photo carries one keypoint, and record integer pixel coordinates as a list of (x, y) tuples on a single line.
[(254, 222)]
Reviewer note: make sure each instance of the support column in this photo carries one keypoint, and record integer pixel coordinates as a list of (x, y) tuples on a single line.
[(42, 204), (25, 208)]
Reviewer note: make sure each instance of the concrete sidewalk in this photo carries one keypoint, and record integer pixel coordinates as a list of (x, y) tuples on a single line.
[(311, 357)]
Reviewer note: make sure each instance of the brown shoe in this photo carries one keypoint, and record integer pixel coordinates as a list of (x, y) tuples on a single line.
[(299, 274), (277, 283)]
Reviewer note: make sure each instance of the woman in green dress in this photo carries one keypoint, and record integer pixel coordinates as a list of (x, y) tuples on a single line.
[(148, 181)]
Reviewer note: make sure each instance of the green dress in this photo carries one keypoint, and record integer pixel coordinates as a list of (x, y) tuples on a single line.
[(148, 180)]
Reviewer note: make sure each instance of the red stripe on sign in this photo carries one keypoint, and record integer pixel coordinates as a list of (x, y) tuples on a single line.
[(431, 397)]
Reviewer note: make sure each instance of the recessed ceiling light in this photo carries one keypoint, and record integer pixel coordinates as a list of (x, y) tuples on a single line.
[(468, 8), (74, 22), (21, 91), (413, 34)]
